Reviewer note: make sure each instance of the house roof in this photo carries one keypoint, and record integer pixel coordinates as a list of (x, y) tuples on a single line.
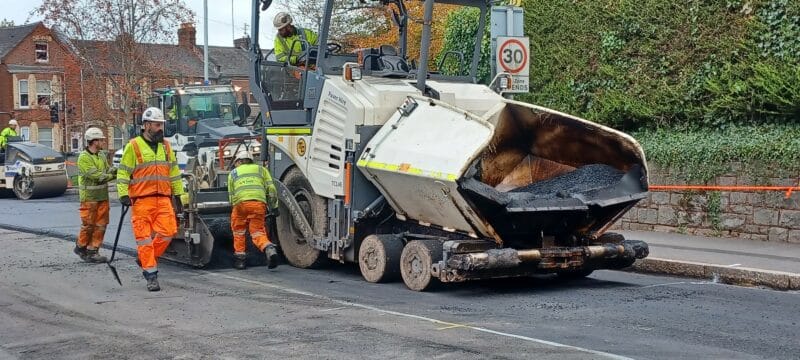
[(232, 62), (173, 59), (11, 36)]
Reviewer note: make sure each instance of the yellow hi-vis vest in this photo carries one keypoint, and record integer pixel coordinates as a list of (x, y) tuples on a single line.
[(294, 44), (93, 176), (252, 182)]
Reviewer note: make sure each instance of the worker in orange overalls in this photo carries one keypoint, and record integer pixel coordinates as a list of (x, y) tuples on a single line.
[(250, 189), (149, 180)]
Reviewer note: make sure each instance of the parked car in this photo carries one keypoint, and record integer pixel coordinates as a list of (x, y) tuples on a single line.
[(117, 158)]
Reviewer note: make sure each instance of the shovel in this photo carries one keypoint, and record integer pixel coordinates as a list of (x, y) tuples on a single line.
[(116, 240)]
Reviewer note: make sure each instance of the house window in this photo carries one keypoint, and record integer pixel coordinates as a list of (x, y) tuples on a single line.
[(23, 94), (118, 139), (46, 137), (43, 92), (25, 133), (41, 53)]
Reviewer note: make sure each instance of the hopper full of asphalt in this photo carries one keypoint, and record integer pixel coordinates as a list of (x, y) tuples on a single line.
[(584, 199)]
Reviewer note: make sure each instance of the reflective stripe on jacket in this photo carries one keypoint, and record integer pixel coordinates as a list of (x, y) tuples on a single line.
[(251, 182), (93, 176), (295, 42), (143, 172)]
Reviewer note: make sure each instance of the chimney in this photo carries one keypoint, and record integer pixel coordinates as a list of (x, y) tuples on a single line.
[(187, 36), (242, 43)]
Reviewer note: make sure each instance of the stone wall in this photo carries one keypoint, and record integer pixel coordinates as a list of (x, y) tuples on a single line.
[(762, 215)]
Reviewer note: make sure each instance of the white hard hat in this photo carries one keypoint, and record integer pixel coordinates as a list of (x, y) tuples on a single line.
[(13, 122), (281, 20), (93, 134), (243, 154), (153, 114)]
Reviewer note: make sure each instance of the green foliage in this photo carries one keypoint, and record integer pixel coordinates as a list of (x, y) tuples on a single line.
[(462, 27), (699, 155), (6, 23), (653, 63)]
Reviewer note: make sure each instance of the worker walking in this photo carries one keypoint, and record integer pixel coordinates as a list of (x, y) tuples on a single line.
[(291, 41), (250, 189), (10, 131), (94, 174), (148, 180)]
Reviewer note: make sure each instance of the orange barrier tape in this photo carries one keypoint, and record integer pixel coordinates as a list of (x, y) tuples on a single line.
[(70, 163), (787, 189)]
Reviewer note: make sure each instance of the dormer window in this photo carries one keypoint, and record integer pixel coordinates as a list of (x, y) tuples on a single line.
[(41, 53)]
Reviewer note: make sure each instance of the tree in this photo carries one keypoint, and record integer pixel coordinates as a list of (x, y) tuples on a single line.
[(113, 39), (6, 23), (384, 31), (349, 16), (461, 29)]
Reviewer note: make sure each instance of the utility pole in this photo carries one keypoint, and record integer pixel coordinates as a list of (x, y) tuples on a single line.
[(233, 24), (205, 42)]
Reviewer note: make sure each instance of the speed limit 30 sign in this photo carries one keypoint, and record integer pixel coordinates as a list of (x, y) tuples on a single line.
[(513, 57)]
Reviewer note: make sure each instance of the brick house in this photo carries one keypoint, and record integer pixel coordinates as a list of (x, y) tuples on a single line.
[(165, 64), (37, 71), (40, 67)]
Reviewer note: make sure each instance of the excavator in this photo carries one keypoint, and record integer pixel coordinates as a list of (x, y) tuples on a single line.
[(423, 176)]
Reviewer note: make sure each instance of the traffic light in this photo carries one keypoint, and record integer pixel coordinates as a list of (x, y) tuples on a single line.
[(54, 113)]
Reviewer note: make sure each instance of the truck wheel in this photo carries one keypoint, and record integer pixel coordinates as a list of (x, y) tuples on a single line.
[(296, 250), (416, 262), (23, 187), (379, 258)]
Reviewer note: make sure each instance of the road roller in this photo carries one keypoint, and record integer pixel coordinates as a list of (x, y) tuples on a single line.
[(32, 170)]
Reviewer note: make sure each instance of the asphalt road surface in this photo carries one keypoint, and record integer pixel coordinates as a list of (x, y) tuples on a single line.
[(54, 306)]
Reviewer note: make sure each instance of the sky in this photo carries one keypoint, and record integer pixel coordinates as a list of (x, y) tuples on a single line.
[(221, 30)]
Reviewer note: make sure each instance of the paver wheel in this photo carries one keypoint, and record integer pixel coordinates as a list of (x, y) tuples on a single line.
[(379, 258), (296, 250), (415, 264)]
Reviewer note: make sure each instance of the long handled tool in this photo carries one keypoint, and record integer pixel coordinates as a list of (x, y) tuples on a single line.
[(116, 240)]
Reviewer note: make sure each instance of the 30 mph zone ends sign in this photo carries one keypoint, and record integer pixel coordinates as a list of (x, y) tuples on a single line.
[(513, 57)]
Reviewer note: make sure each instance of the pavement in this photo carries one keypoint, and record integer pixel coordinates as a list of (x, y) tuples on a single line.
[(733, 261)]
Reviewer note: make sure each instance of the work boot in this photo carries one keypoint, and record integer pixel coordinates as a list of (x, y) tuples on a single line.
[(93, 256), (80, 251), (239, 262), (272, 256), (152, 281)]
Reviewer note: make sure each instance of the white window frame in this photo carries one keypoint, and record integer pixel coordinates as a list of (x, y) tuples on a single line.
[(25, 133), (25, 93), (43, 141), (39, 93), (118, 139), (37, 51)]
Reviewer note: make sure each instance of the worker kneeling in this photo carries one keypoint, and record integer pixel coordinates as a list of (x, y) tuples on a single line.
[(250, 189), (94, 174), (148, 180)]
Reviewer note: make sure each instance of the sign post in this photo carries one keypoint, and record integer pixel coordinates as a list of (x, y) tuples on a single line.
[(513, 57)]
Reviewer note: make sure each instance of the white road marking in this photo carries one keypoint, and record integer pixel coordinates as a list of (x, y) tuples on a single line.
[(734, 265), (417, 317), (678, 283)]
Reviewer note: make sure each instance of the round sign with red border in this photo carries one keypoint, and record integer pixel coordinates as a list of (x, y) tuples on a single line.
[(512, 56)]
